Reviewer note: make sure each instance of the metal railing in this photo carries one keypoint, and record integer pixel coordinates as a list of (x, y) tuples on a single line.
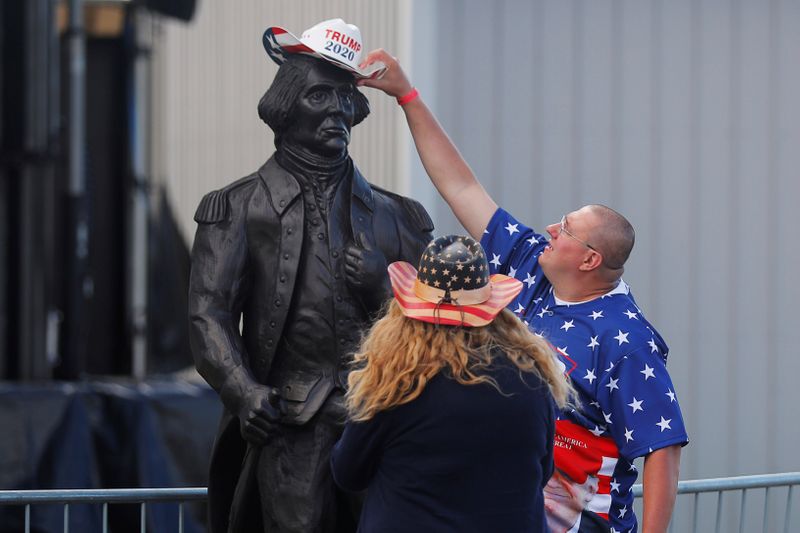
[(742, 484), (104, 496), (718, 486)]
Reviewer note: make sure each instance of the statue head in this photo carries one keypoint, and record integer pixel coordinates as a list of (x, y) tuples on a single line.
[(313, 104)]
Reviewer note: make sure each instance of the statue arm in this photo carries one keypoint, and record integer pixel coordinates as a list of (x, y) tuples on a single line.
[(217, 286), (447, 169)]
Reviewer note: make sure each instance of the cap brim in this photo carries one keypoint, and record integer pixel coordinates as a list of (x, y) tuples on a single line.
[(402, 276), (280, 42)]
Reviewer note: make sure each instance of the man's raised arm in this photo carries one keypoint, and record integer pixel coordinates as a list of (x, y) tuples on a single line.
[(448, 171)]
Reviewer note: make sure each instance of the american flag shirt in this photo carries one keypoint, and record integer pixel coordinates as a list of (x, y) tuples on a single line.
[(617, 362)]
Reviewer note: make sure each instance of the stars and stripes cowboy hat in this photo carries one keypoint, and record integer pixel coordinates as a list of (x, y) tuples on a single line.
[(333, 40), (453, 285)]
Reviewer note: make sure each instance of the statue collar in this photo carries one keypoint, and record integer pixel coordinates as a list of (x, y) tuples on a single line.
[(283, 187)]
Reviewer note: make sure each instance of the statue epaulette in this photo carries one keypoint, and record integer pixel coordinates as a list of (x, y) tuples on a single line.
[(413, 208), (213, 208), (418, 213)]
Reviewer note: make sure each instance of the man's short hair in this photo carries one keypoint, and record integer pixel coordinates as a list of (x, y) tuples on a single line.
[(277, 104), (614, 236)]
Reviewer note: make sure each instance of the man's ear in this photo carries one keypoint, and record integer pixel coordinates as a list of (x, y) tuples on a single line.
[(591, 261)]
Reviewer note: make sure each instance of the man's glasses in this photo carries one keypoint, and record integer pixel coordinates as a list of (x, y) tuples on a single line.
[(565, 230)]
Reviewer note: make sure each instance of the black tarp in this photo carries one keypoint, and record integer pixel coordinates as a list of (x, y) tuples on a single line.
[(106, 434)]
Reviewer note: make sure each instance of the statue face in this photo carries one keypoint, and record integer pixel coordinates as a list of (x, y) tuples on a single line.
[(323, 114)]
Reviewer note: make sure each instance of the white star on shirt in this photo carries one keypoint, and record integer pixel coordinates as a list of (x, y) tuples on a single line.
[(590, 376), (630, 314), (671, 395), (614, 485), (512, 272), (664, 424), (607, 417), (533, 240), (636, 404), (593, 342), (628, 435), (511, 229), (563, 350), (519, 309), (610, 366), (612, 384), (596, 314), (530, 280), (496, 260), (541, 313), (567, 324), (623, 511), (648, 372), (596, 431), (622, 337), (653, 347)]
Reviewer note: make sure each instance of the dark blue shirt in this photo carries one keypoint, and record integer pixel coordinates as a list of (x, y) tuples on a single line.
[(459, 458)]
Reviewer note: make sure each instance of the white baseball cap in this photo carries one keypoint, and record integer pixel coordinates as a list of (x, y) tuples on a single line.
[(332, 40)]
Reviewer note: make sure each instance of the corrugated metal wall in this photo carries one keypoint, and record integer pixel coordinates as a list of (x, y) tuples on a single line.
[(683, 115), (211, 73)]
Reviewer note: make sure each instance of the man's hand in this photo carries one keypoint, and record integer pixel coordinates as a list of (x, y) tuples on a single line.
[(259, 414), (365, 264), (394, 82)]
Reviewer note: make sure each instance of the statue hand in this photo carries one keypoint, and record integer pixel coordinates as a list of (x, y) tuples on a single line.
[(394, 82), (259, 414), (365, 265)]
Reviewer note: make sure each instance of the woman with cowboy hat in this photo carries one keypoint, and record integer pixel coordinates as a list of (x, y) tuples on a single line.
[(450, 403)]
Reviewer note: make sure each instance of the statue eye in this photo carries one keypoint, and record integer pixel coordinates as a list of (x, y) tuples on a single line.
[(317, 96)]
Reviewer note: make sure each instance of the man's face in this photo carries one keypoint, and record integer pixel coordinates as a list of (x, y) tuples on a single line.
[(566, 251), (323, 115)]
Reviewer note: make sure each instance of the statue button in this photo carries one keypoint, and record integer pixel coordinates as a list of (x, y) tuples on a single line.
[(282, 278), (321, 236), (272, 324), (277, 303), (289, 231), (282, 203), (342, 341), (286, 256), (361, 219), (337, 276), (269, 342), (335, 253), (311, 207), (338, 298)]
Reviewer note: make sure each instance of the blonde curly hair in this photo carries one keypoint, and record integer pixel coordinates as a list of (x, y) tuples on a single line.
[(399, 356)]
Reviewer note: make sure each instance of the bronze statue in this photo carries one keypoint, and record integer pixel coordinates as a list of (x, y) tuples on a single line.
[(296, 254)]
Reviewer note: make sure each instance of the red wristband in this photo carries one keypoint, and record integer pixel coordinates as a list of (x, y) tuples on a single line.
[(409, 97)]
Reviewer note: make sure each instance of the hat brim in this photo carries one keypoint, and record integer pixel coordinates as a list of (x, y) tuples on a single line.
[(403, 275), (280, 42)]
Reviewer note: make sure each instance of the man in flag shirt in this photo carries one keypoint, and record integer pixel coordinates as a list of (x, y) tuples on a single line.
[(615, 357), (574, 297)]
